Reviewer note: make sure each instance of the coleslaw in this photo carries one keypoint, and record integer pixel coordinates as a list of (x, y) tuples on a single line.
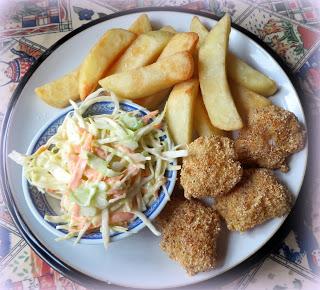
[(105, 169)]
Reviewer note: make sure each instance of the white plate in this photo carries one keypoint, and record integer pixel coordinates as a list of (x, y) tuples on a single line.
[(138, 261)]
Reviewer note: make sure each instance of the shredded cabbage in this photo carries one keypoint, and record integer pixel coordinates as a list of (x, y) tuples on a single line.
[(105, 169)]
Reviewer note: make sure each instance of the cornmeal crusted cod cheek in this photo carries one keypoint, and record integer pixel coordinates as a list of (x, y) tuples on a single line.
[(272, 135), (257, 198), (190, 232), (210, 169)]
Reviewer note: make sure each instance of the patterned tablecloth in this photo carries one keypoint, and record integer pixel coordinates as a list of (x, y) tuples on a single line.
[(290, 27)]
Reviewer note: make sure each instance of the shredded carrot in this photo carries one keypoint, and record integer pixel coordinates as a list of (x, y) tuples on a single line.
[(72, 162), (87, 143), (133, 170), (113, 179), (81, 164), (76, 148), (77, 173), (82, 131), (120, 216), (92, 174), (116, 192), (150, 116), (145, 173), (124, 149), (100, 152), (75, 210)]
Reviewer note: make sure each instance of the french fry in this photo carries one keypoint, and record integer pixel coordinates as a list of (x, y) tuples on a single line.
[(178, 43), (245, 75), (154, 101), (94, 67), (148, 80), (197, 27), (168, 28), (184, 41), (58, 92), (247, 101), (238, 70), (202, 122), (179, 111), (143, 51), (141, 25), (214, 85)]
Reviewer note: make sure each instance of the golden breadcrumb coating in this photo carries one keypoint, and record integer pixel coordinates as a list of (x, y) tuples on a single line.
[(271, 136), (210, 169), (190, 231), (163, 219), (258, 197)]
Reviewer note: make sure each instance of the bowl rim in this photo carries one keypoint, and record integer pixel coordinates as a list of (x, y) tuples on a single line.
[(92, 241)]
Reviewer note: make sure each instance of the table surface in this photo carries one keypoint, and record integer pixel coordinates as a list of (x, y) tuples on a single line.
[(291, 28)]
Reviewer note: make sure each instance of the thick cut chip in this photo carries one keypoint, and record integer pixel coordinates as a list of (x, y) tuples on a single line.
[(238, 70), (94, 67), (141, 25), (214, 85), (143, 51), (190, 234), (168, 28), (247, 101), (154, 101), (197, 27), (179, 43), (202, 122), (258, 197), (148, 80), (248, 77), (184, 41), (179, 111), (58, 92)]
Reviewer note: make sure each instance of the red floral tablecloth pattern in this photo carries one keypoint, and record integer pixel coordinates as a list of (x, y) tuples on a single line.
[(290, 27)]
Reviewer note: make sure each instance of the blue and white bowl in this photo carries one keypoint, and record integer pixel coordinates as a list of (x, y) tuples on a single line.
[(42, 204)]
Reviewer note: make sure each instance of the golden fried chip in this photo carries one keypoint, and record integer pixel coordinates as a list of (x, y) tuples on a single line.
[(58, 92), (141, 25), (183, 41), (143, 51), (214, 85), (239, 71), (168, 28), (202, 122), (247, 101), (245, 75), (95, 65), (179, 111), (148, 80)]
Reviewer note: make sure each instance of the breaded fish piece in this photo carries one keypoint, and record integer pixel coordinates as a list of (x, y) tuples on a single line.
[(210, 169), (271, 136), (258, 197), (190, 231), (164, 218)]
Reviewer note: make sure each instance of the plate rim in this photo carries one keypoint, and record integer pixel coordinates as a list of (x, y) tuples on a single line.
[(54, 262)]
